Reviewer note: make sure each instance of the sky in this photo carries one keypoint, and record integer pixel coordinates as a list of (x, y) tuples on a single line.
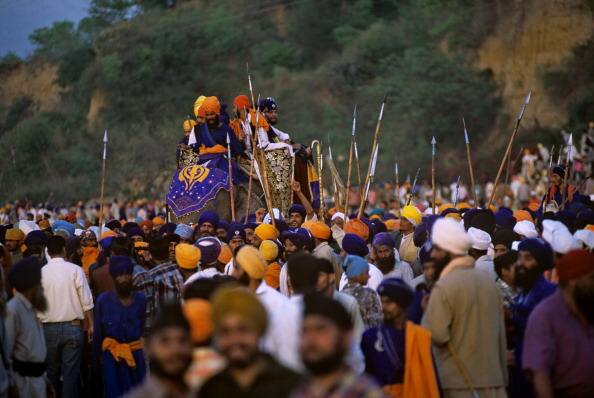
[(19, 18)]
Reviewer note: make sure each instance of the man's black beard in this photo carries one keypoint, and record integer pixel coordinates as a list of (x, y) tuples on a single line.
[(583, 296), (212, 123), (525, 278), (272, 122), (123, 289), (243, 364), (39, 301), (328, 364), (440, 265), (160, 372), (386, 264)]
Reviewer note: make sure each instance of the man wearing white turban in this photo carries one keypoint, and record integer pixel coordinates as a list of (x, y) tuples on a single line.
[(465, 318)]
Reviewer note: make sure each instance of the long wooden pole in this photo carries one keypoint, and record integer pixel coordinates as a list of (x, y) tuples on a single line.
[(566, 174), (397, 191), (373, 145), (412, 189), (469, 160), (105, 139), (433, 142), (350, 166), (508, 149), (230, 167)]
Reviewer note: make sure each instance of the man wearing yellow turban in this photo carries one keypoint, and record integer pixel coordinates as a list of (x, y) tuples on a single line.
[(240, 321)]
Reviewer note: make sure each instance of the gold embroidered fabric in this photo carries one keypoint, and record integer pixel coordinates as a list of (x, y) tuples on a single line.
[(279, 170)]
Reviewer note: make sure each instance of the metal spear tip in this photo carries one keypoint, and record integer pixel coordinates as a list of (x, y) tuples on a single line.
[(105, 137), (228, 138), (527, 99), (385, 98), (433, 141)]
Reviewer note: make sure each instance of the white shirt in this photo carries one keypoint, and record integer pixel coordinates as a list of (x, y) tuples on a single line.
[(485, 264), (375, 278), (207, 273), (401, 270), (67, 291), (283, 279), (229, 268), (282, 338)]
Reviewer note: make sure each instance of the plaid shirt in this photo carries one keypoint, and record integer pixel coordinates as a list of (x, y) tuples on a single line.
[(349, 386), (161, 284), (369, 303)]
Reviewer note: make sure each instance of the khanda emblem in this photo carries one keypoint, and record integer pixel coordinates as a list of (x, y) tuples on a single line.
[(190, 175)]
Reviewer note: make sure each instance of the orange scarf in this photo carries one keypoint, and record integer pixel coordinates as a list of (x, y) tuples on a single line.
[(89, 257), (419, 372), (122, 350)]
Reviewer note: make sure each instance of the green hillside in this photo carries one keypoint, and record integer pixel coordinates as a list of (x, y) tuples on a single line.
[(318, 59)]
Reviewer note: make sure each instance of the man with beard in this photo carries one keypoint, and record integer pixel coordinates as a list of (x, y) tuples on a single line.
[(169, 350), (236, 239), (465, 317), (240, 321), (559, 340), (398, 353), (119, 324), (250, 268), (161, 284), (355, 245), (534, 257), (295, 240), (384, 253), (212, 140), (325, 342), (13, 239), (264, 232), (25, 341), (410, 217), (70, 306), (208, 224)]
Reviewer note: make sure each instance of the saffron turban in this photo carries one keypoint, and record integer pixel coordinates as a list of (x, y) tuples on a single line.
[(242, 102), (241, 302), (251, 261), (187, 256), (357, 227), (211, 104)]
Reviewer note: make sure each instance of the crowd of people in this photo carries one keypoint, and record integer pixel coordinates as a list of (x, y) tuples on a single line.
[(407, 299)]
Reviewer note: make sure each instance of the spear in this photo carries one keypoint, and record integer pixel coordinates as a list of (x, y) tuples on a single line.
[(508, 149), (252, 140), (375, 138), (369, 180), (358, 166), (433, 142), (412, 189), (397, 191), (469, 159), (231, 196), (457, 190), (102, 183), (546, 197), (348, 184), (567, 160), (247, 69)]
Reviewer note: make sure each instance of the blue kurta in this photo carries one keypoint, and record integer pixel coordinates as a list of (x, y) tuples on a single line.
[(124, 324), (383, 348)]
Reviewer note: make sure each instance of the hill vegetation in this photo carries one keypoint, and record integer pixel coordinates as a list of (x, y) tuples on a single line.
[(136, 71)]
